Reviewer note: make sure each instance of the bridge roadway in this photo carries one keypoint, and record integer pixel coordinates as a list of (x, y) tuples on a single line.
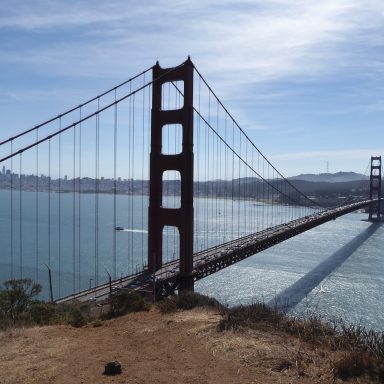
[(166, 280)]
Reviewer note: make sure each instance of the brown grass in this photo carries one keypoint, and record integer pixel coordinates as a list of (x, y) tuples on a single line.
[(362, 350), (263, 339)]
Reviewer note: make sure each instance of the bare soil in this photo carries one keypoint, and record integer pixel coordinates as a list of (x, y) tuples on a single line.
[(184, 347)]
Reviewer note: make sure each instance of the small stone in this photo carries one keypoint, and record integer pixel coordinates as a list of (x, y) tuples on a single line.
[(112, 368)]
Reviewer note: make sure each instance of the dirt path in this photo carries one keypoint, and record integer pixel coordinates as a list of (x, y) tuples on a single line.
[(153, 348)]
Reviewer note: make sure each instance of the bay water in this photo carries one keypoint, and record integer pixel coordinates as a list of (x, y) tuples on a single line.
[(336, 269)]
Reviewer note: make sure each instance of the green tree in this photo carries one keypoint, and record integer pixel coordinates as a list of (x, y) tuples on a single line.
[(17, 297)]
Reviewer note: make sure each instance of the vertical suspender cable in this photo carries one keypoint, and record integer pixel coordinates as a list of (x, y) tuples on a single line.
[(59, 202), (219, 176), (233, 180), (132, 173), (272, 180), (79, 207), (263, 198), (271, 177), (269, 192), (239, 197), (246, 192), (21, 217), (97, 128), (253, 196), (74, 210), (129, 184), (225, 181), (49, 202), (208, 172), (260, 209), (215, 153), (12, 250), (114, 188), (197, 167), (142, 177), (37, 211), (168, 106)]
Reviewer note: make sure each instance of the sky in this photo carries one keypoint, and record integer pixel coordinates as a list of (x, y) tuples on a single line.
[(304, 79)]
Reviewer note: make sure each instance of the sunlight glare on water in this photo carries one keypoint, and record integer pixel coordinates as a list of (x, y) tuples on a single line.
[(336, 270)]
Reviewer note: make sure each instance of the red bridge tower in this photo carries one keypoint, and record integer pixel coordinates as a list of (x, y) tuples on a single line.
[(375, 210), (182, 217)]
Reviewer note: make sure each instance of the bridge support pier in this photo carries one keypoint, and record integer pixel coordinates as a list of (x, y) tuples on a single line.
[(375, 210), (159, 216)]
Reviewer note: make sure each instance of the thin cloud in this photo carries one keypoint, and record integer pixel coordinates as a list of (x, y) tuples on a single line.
[(272, 43), (346, 154)]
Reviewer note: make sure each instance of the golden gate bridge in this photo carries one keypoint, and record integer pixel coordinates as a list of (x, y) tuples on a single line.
[(179, 177)]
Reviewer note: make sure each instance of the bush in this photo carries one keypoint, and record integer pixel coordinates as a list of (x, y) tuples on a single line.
[(19, 307), (17, 298), (168, 304), (187, 300), (250, 316), (42, 313), (312, 329), (75, 313), (77, 318), (355, 364), (123, 302)]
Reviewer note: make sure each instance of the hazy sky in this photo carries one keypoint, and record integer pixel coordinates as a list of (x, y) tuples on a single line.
[(305, 79)]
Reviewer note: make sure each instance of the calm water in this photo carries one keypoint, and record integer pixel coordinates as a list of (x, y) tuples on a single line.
[(336, 269)]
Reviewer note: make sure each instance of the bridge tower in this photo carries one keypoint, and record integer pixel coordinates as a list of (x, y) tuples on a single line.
[(159, 216), (375, 209)]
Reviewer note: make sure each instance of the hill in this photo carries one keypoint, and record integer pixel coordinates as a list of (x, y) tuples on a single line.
[(338, 177), (182, 347)]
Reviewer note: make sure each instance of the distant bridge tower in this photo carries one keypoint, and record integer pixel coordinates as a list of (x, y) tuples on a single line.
[(375, 209), (159, 216)]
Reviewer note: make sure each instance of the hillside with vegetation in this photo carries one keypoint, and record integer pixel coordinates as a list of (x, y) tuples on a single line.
[(187, 338)]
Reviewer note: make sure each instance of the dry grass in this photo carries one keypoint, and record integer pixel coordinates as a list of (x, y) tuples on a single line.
[(315, 346), (355, 364), (362, 350)]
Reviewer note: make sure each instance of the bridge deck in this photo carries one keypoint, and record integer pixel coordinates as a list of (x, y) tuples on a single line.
[(166, 280)]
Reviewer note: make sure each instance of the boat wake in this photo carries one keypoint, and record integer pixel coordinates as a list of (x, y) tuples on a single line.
[(120, 229)]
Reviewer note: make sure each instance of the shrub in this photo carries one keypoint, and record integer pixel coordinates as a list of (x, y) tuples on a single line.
[(17, 297), (168, 304), (187, 300), (77, 318), (123, 302), (42, 313), (19, 307), (355, 364), (250, 316), (75, 313), (312, 329)]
